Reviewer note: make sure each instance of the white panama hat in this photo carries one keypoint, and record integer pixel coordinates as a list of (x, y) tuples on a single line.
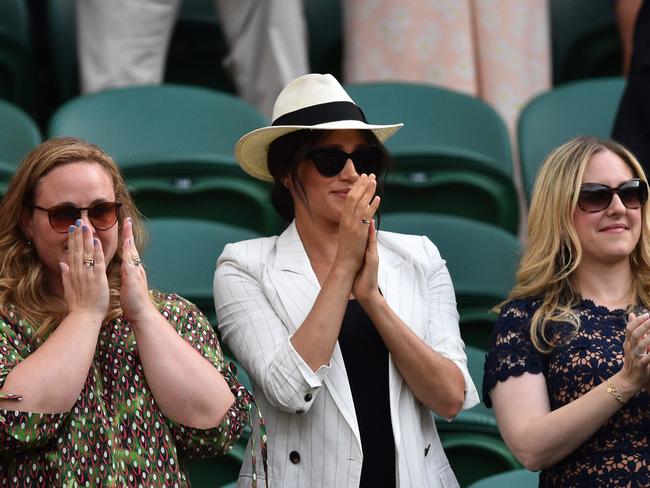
[(312, 101)]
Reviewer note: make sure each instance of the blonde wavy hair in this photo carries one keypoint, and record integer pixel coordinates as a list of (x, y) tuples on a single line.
[(23, 278), (553, 251)]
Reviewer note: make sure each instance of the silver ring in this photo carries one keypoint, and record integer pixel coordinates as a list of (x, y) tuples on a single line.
[(89, 263), (638, 354), (136, 261), (366, 221)]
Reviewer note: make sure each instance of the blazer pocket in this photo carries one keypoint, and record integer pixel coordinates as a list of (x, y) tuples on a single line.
[(447, 477)]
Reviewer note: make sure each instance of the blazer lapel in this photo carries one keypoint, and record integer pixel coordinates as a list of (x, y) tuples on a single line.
[(398, 284), (297, 287)]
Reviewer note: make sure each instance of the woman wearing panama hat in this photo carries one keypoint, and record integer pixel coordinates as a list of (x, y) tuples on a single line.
[(350, 336)]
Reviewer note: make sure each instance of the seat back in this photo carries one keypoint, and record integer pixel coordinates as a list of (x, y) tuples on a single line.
[(452, 156), (153, 129), (455, 188), (62, 45), (15, 53), (325, 30), (182, 256), (436, 118), (217, 471), (476, 456), (519, 478), (19, 133), (18, 136), (233, 201), (482, 261), (584, 40), (586, 107)]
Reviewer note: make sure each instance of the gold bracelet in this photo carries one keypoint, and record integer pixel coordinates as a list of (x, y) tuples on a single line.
[(612, 390)]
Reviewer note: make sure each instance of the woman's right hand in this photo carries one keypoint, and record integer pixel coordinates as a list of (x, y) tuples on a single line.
[(85, 286), (636, 365), (360, 203)]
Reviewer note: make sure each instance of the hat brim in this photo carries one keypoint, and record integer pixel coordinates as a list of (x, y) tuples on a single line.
[(251, 151)]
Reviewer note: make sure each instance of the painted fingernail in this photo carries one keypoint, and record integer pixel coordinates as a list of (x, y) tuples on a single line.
[(78, 223), (85, 228), (71, 228), (95, 241)]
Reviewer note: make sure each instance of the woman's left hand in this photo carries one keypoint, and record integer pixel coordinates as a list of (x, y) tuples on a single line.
[(134, 295), (366, 286)]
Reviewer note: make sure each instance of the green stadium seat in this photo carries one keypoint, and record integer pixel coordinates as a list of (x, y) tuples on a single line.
[(482, 261), (586, 107), (233, 201), (452, 156), (182, 256), (18, 136), (475, 456), (19, 133), (520, 478), (16, 57), (217, 471), (169, 131), (325, 30), (472, 441), (584, 40)]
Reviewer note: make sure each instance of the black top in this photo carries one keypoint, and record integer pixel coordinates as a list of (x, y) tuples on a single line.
[(366, 362)]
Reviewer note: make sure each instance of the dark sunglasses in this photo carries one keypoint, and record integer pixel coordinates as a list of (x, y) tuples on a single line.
[(595, 197), (330, 161), (102, 215)]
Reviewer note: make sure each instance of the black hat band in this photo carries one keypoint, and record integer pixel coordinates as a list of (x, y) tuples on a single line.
[(321, 114)]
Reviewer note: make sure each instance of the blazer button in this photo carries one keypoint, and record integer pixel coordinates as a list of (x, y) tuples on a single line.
[(308, 397), (294, 457)]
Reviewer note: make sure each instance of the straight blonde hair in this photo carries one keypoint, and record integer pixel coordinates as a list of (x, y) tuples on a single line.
[(23, 278), (553, 251)]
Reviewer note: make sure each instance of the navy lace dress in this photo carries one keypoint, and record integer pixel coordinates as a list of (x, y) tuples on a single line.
[(617, 455)]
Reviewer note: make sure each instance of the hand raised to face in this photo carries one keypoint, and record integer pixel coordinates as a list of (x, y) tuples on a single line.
[(85, 285), (134, 295), (360, 207)]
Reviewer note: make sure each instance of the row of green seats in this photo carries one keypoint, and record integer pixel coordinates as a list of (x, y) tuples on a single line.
[(174, 145)]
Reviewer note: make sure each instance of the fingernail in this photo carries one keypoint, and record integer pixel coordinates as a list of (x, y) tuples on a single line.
[(128, 219), (95, 241), (78, 222), (71, 228), (85, 228)]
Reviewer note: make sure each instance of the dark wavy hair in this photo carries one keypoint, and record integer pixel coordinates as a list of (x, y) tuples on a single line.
[(285, 155)]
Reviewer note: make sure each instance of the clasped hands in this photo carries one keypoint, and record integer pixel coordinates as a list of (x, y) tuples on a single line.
[(357, 238)]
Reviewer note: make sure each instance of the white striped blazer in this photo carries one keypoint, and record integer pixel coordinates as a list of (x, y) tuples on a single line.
[(264, 289)]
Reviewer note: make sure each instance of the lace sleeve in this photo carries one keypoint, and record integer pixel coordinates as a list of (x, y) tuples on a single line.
[(511, 350)]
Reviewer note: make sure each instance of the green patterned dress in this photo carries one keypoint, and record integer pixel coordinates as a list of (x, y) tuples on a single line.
[(115, 435)]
